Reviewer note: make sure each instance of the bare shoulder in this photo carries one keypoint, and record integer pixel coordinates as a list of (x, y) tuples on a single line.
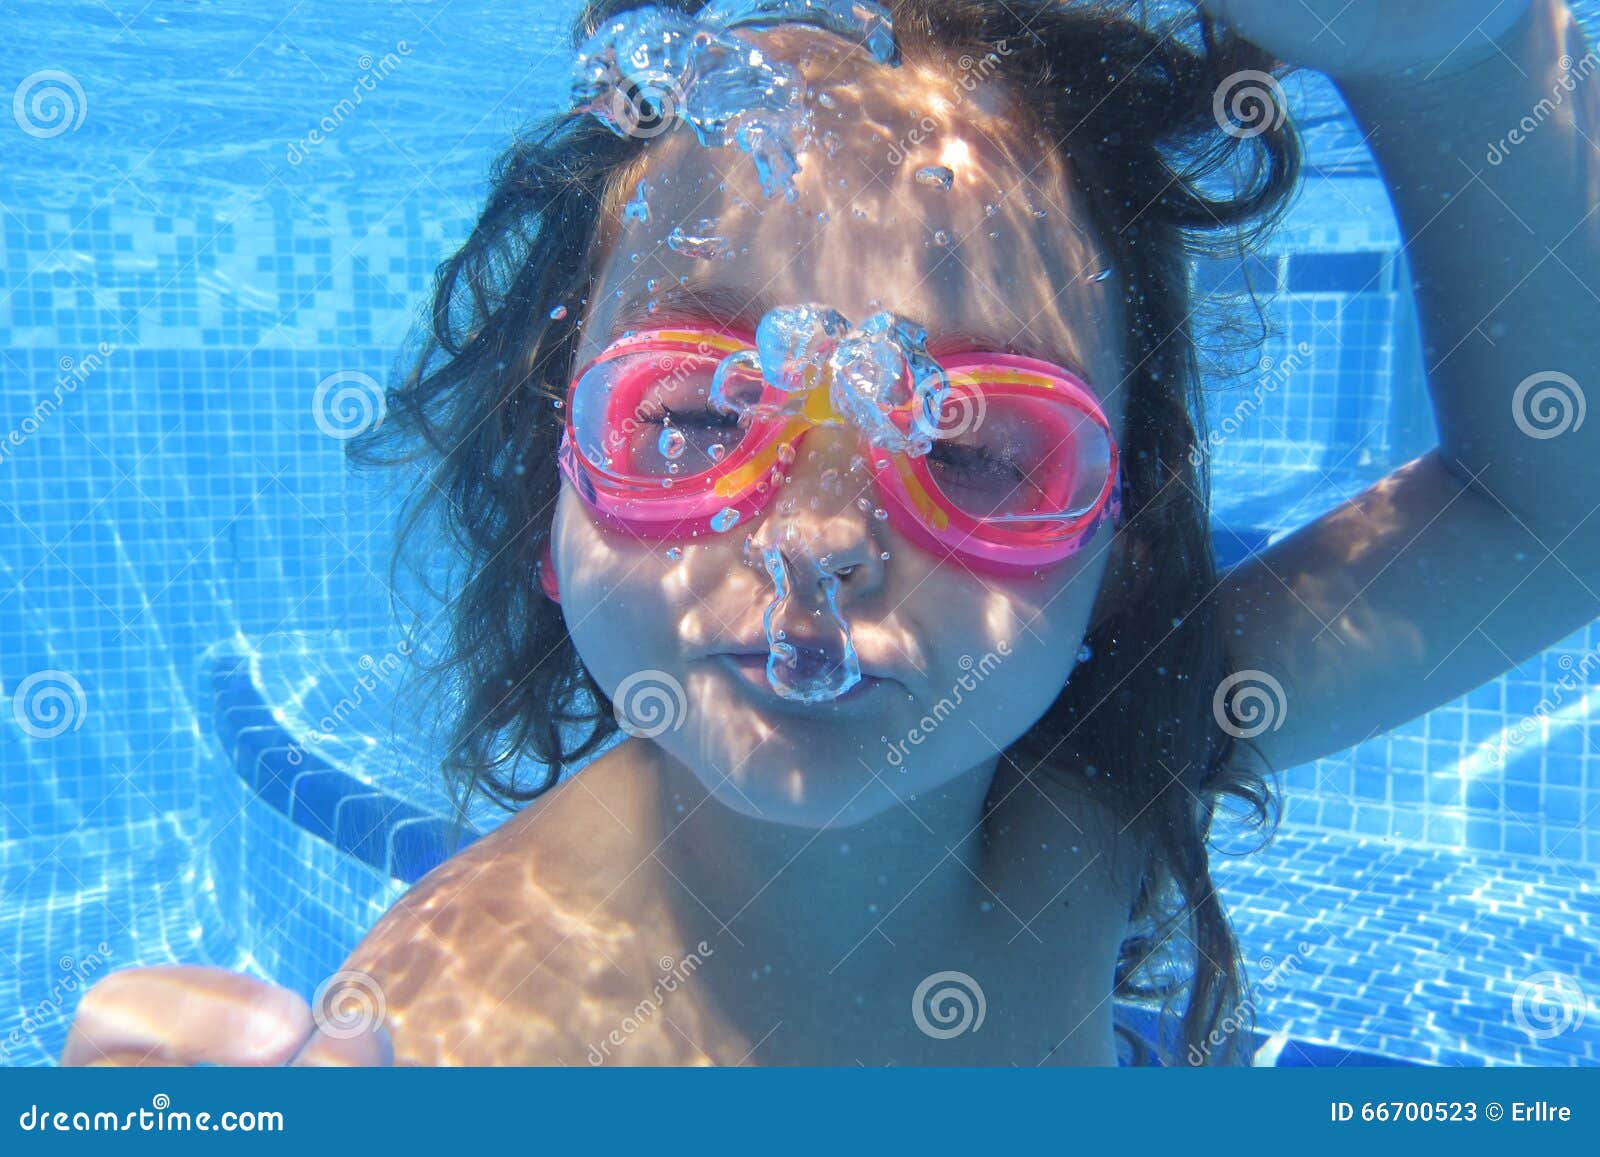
[(526, 947)]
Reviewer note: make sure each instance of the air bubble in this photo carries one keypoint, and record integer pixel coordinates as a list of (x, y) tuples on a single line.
[(701, 243), (638, 209), (671, 443)]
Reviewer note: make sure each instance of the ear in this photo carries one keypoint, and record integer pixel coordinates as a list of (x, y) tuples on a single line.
[(547, 574)]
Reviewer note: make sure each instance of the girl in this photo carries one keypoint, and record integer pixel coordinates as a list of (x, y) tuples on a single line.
[(944, 726)]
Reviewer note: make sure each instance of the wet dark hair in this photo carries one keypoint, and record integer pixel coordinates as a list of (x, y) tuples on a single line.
[(1132, 104)]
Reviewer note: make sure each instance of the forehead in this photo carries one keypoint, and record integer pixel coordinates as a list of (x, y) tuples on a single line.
[(1004, 259)]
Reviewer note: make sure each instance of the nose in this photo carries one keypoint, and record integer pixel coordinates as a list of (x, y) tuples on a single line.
[(817, 521)]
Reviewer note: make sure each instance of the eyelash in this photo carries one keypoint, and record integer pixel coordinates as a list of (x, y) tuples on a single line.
[(974, 461), (659, 415)]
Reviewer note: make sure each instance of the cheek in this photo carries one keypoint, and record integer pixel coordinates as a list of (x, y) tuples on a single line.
[(1006, 652), (612, 597)]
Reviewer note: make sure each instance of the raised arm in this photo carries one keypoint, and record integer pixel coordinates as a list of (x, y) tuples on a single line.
[(1472, 558)]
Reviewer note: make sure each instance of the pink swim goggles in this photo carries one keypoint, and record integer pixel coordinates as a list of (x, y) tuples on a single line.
[(1023, 474)]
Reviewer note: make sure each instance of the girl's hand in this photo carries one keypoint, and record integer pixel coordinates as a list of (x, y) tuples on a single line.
[(1350, 38), (187, 1015)]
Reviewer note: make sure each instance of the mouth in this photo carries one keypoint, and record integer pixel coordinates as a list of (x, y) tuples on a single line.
[(749, 670)]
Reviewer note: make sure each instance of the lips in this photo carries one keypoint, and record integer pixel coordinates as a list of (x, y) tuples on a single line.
[(750, 669), (814, 658)]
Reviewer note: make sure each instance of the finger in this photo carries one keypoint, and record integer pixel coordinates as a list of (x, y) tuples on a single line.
[(368, 1048), (186, 1015)]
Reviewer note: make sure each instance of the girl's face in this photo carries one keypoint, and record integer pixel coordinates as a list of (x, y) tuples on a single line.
[(955, 666)]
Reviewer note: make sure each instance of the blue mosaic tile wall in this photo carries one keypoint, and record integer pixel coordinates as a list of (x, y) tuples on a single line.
[(1513, 766)]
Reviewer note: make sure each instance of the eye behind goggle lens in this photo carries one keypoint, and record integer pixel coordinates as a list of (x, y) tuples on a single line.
[(1019, 460), (650, 415)]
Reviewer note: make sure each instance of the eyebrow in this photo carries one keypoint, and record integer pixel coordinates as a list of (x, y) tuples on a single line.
[(724, 305)]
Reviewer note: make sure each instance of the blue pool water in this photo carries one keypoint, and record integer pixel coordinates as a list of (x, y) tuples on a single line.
[(191, 581)]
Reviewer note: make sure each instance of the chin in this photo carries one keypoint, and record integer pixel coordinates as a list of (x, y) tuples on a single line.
[(798, 776)]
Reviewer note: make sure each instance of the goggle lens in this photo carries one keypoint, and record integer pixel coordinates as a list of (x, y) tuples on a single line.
[(1009, 455), (648, 415)]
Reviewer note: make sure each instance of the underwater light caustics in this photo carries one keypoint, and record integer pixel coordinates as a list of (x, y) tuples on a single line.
[(651, 67)]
